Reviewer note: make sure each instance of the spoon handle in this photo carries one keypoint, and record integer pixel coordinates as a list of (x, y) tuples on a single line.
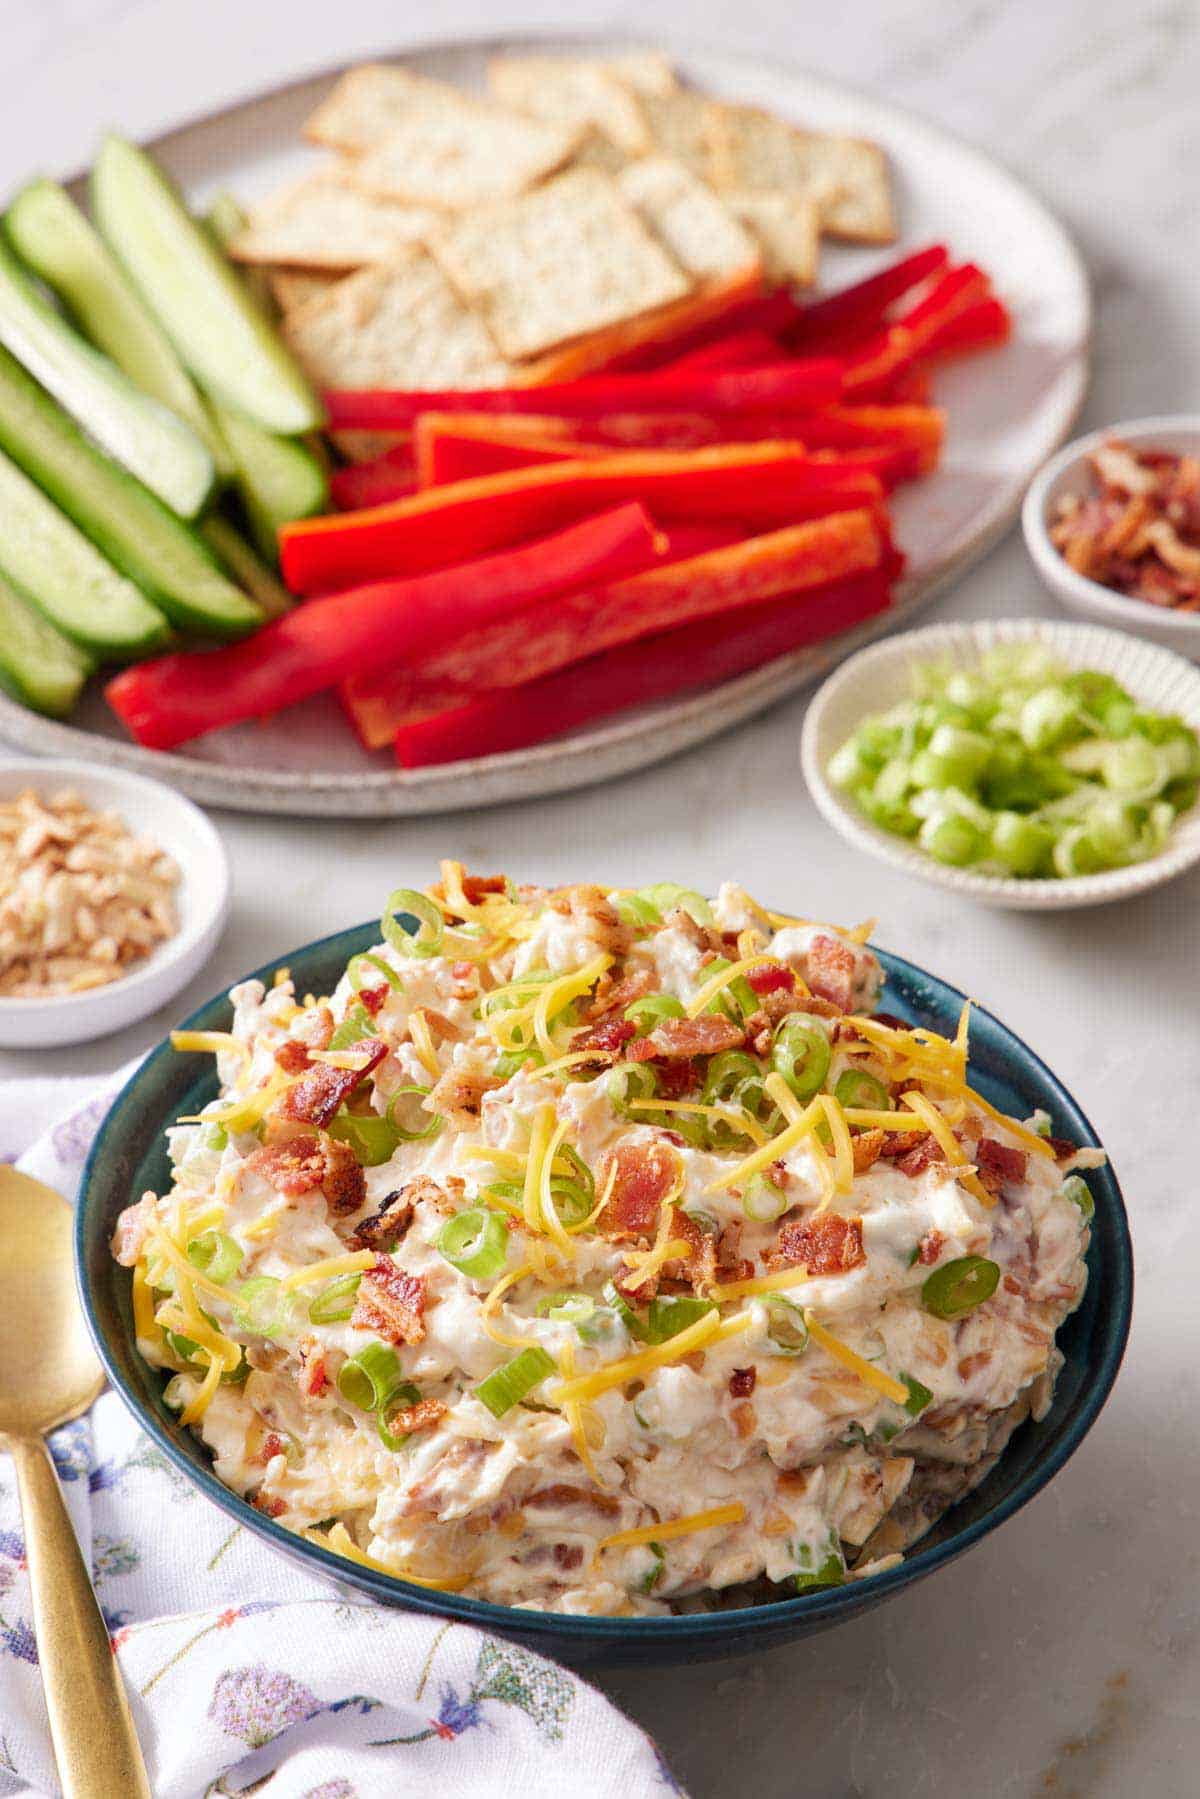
[(95, 1744)]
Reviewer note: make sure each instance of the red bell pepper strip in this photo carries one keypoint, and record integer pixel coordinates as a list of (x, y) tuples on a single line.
[(653, 668), (773, 314), (920, 429), (537, 640), (905, 342), (980, 327), (760, 484), (460, 448), (663, 332), (864, 304), (180, 696), (737, 349), (793, 383)]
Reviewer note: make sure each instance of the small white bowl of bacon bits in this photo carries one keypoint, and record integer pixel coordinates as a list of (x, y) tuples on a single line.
[(113, 893), (1113, 524)]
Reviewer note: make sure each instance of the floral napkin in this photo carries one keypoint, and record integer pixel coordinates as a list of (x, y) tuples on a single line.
[(247, 1675)]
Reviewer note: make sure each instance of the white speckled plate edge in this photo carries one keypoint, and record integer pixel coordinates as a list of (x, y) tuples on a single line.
[(877, 677), (1050, 278)]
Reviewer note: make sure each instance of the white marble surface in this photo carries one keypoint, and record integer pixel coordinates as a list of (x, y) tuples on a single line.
[(1063, 1657)]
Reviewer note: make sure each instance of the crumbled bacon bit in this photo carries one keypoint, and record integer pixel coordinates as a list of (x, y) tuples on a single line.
[(1062, 1148), (924, 1153), (930, 1248), (390, 1302), (676, 1079), (129, 1238), (422, 1415), (707, 1035), (271, 1446), (607, 1038), (830, 1244), (477, 887), (568, 1557), (292, 1057), (645, 1174), (318, 1095), (374, 999), (731, 1264), (441, 1028), (559, 1493), (314, 1376), (1138, 531), (385, 1228), (998, 1164), (592, 907), (458, 1096), (270, 1508), (305, 1163), (831, 967), (866, 1148), (614, 996), (742, 1382), (771, 977), (744, 1418)]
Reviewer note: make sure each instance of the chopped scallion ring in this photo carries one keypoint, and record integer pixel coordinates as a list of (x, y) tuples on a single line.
[(367, 970), (370, 1379), (405, 1394), (858, 1090), (762, 1200), (215, 1254), (426, 940), (959, 1286), (650, 1011), (801, 1054), (787, 1326), (475, 1242), (508, 1385), (407, 1101), (672, 1313), (1076, 1189), (334, 1303)]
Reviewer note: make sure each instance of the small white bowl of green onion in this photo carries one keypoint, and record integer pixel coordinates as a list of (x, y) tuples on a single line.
[(1024, 763)]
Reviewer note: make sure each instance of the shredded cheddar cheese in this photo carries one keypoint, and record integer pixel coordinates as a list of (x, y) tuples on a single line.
[(339, 1540), (953, 1150), (704, 996), (675, 1527), (850, 1358), (418, 1030), (736, 1116), (706, 1330), (355, 1262)]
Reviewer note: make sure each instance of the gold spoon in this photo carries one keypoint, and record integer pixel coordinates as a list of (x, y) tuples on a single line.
[(49, 1374)]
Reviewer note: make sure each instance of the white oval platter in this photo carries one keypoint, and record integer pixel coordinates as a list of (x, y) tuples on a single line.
[(1007, 410)]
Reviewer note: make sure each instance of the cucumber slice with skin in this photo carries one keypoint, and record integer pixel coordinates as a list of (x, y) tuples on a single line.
[(53, 565), (280, 479), (155, 445), (55, 239), (38, 665), (197, 297), (126, 522), (226, 219), (246, 565)]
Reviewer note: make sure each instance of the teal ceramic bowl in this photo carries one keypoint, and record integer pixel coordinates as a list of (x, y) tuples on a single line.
[(129, 1155)]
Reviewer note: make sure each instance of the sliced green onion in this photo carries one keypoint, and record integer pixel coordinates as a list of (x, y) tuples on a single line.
[(1076, 1189), (918, 1396), (762, 1200), (367, 969), (509, 1384), (426, 940), (703, 1221), (625, 1312), (957, 1288), (259, 1306), (650, 1011), (786, 1325), (475, 1242), (638, 913), (655, 1572), (371, 1378), (630, 1082), (735, 1076), (356, 1025), (668, 896), (566, 1308), (405, 1127), (405, 1394), (335, 1302), (801, 1054), (216, 1255), (858, 1090), (673, 1313), (821, 1566), (372, 1138), (513, 1061)]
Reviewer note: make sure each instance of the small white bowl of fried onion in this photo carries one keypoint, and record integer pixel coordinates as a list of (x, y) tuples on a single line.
[(114, 890)]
